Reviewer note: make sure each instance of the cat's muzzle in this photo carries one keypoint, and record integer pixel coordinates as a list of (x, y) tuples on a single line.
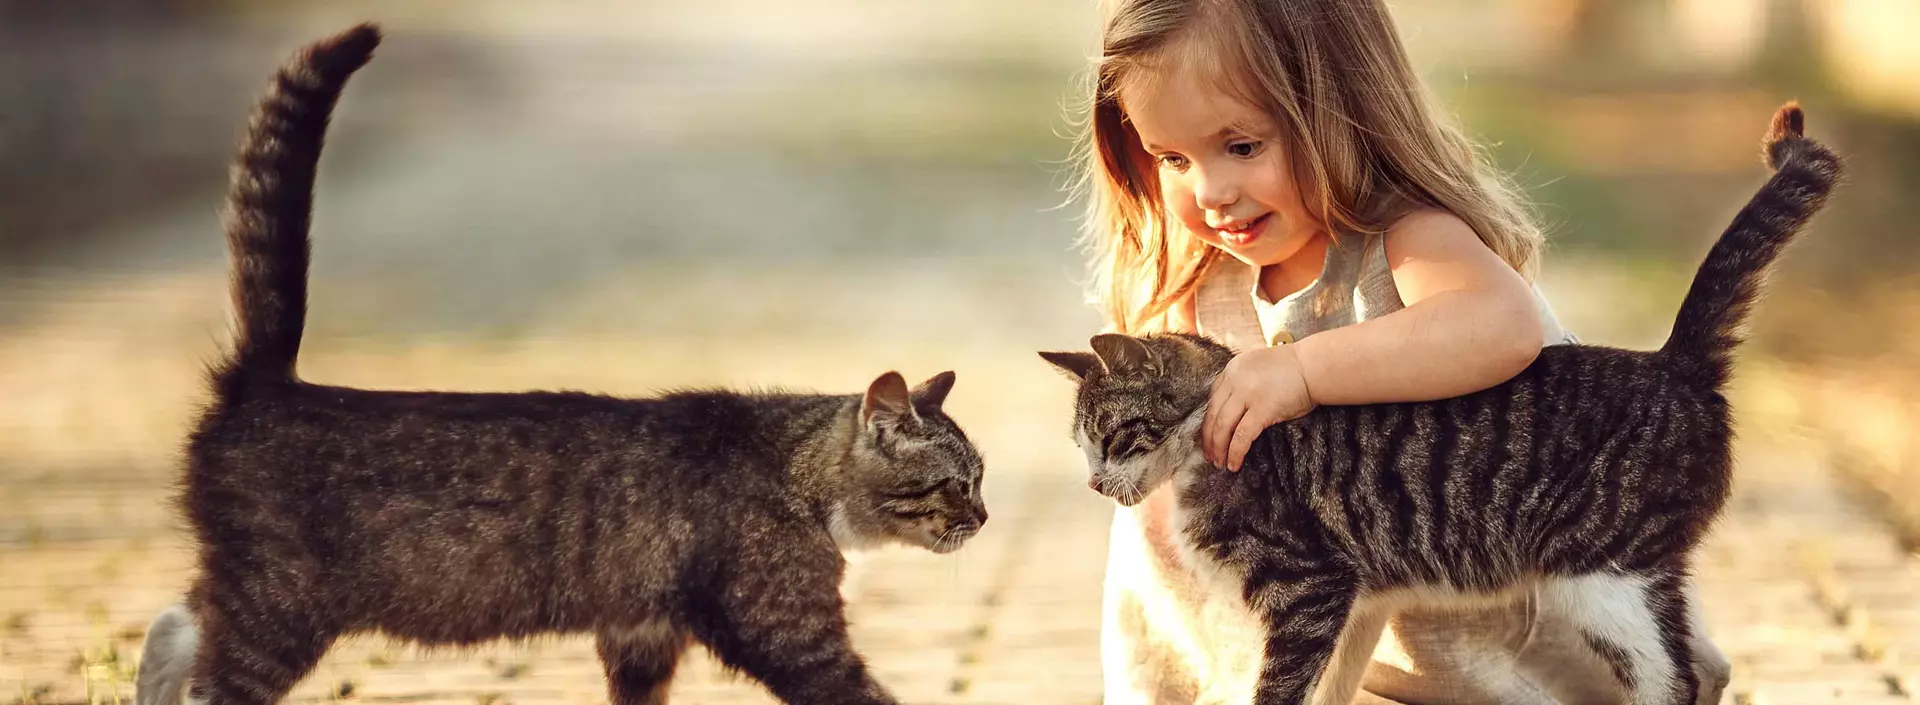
[(953, 539), (1110, 486)]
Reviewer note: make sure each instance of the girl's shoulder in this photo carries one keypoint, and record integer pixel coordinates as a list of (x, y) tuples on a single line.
[(1429, 233)]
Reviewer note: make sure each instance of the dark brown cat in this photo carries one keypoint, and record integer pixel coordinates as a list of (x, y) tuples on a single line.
[(445, 518), (1590, 477)]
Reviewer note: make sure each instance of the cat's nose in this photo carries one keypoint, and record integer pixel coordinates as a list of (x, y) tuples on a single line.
[(1093, 482)]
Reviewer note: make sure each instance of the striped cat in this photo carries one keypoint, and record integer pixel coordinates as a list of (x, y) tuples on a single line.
[(705, 516), (1588, 478)]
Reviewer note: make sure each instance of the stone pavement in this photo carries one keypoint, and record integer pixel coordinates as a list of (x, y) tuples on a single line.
[(1809, 596)]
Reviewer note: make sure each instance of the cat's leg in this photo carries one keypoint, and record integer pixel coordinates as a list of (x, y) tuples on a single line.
[(1143, 618), (1352, 654), (1710, 665), (1636, 623), (167, 657), (1304, 618), (250, 654), (640, 664), (786, 627)]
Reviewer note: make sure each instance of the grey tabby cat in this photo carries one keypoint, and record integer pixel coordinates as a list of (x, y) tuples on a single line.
[(716, 517), (1589, 478)]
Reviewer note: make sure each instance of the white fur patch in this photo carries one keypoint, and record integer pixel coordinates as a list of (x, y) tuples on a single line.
[(167, 658), (1089, 449), (842, 531), (1613, 608)]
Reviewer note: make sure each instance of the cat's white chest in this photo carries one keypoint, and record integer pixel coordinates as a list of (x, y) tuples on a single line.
[(1221, 582)]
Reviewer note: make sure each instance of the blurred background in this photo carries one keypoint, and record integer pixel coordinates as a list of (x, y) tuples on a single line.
[(621, 196)]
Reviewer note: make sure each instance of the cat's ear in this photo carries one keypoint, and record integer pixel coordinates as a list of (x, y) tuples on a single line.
[(1078, 365), (1123, 353), (887, 400), (933, 392)]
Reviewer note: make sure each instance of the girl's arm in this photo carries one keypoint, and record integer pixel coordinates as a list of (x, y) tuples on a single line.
[(1470, 323)]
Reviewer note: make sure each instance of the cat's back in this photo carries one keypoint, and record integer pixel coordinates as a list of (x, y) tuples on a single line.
[(1584, 426), (545, 485), (319, 424), (1558, 411), (301, 440)]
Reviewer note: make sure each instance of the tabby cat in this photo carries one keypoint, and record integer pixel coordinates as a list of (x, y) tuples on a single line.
[(452, 519), (1588, 478)]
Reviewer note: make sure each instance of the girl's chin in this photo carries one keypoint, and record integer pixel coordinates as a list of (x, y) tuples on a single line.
[(1264, 251), (1259, 253)]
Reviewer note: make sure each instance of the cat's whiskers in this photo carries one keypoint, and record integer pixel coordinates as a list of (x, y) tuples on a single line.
[(1129, 487), (951, 539)]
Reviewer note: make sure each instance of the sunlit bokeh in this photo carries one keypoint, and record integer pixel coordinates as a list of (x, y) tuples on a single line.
[(628, 195)]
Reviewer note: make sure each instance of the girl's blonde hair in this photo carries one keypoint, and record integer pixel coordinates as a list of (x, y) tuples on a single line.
[(1366, 143)]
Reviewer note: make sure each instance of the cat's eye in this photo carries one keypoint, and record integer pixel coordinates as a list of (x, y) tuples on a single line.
[(1137, 447), (919, 491), (1129, 440)]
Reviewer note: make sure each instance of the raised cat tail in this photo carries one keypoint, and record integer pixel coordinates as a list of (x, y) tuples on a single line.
[(270, 203), (1709, 325)]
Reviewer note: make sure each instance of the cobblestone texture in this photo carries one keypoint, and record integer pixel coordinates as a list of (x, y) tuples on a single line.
[(1811, 599)]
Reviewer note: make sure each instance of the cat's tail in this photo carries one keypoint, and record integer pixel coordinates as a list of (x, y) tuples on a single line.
[(270, 203), (1712, 317)]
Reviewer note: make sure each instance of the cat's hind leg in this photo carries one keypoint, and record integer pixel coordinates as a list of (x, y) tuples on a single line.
[(1638, 624), (167, 657), (785, 626), (1710, 665), (1352, 654), (639, 663), (252, 654)]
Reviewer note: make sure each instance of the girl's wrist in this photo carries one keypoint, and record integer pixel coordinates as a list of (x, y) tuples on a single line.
[(1303, 358)]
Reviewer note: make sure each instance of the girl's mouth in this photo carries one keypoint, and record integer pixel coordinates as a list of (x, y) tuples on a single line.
[(1246, 232)]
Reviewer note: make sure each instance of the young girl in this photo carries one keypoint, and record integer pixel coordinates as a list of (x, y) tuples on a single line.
[(1272, 174)]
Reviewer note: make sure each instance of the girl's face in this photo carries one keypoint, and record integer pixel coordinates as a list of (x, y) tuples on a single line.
[(1223, 173)]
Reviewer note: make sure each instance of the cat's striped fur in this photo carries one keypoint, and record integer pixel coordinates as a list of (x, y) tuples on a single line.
[(451, 519), (1588, 478)]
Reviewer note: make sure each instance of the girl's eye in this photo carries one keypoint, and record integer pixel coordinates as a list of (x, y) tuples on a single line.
[(1243, 149), (1173, 161)]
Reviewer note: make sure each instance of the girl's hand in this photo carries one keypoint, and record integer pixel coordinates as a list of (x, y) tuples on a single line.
[(1258, 388)]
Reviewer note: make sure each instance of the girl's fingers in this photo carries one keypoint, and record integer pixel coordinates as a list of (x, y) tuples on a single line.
[(1216, 408), (1244, 433), (1218, 429)]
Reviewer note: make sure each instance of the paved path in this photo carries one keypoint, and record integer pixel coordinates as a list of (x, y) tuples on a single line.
[(1810, 598)]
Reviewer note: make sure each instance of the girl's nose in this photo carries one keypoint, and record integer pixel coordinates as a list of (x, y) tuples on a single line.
[(1214, 193)]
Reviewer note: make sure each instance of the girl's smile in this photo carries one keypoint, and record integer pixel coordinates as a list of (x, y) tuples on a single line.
[(1243, 232)]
